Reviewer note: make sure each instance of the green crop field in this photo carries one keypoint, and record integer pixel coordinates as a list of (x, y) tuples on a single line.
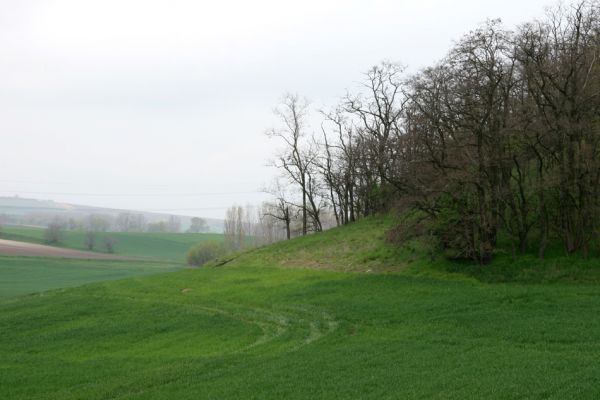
[(164, 246), (387, 322), (25, 275)]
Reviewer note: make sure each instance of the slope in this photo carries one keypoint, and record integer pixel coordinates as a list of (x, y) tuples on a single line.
[(364, 247)]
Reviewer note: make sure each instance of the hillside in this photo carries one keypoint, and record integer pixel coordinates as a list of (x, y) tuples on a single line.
[(363, 247), (251, 329), (356, 247), (164, 246)]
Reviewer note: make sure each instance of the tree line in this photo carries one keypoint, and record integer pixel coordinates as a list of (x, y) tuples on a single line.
[(500, 138), (97, 228)]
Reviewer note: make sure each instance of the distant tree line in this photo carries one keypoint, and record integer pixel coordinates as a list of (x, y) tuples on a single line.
[(127, 222), (502, 135), (250, 226), (122, 222), (96, 228)]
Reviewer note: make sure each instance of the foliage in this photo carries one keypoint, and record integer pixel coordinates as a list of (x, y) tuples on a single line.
[(203, 252)]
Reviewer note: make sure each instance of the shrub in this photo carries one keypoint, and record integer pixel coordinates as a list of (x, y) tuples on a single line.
[(204, 252)]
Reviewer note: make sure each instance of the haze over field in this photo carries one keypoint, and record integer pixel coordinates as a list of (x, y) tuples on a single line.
[(161, 106), (299, 200)]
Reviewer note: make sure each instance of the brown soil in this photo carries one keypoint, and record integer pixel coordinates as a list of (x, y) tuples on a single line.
[(14, 248)]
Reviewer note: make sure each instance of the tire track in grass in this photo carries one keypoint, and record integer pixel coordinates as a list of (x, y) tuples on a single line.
[(283, 329), (274, 323)]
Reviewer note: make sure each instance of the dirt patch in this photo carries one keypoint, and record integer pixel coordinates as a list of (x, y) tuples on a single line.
[(14, 248)]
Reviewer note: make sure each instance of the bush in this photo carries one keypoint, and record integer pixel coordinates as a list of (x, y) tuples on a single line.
[(204, 252)]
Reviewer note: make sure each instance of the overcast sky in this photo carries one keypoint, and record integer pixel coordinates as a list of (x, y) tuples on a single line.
[(163, 105)]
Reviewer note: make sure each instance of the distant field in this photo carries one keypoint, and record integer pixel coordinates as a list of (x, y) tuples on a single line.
[(25, 275), (14, 248), (164, 246)]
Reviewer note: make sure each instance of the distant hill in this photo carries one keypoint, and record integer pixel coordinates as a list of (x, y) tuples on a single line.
[(34, 212)]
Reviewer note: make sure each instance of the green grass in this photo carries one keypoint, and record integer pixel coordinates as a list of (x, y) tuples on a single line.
[(414, 327), (163, 246), (359, 247), (362, 247), (269, 333), (25, 275)]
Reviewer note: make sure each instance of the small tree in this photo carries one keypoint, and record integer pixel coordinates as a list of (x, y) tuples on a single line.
[(89, 239), (198, 225), (109, 244), (54, 233)]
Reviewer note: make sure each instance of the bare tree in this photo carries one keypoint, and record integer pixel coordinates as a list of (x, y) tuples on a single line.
[(559, 59), (501, 135), (378, 115), (338, 164), (280, 208), (89, 239), (54, 233), (109, 244), (233, 228), (294, 159), (273, 224)]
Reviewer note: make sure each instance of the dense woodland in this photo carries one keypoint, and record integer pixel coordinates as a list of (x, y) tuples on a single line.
[(499, 140)]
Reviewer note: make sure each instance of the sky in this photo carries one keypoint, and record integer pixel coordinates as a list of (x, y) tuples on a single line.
[(163, 105)]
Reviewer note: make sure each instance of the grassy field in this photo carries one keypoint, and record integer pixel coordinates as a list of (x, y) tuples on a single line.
[(408, 325), (270, 333), (164, 246), (25, 275)]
